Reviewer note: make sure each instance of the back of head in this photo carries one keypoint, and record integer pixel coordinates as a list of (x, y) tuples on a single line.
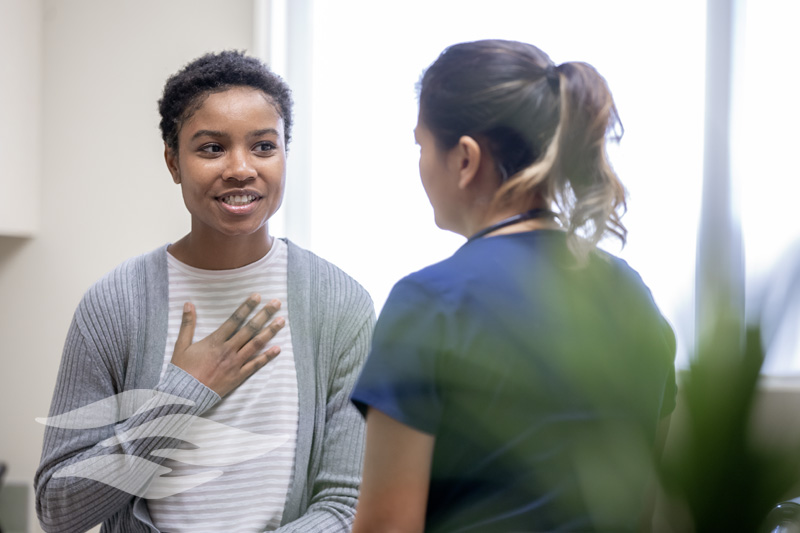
[(185, 91), (545, 126)]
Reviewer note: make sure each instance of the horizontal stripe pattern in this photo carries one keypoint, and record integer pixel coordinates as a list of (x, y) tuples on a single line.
[(250, 495)]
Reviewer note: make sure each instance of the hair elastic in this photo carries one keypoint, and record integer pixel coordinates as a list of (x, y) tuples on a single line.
[(553, 79)]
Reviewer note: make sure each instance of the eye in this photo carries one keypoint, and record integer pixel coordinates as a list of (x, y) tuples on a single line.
[(211, 148), (264, 146)]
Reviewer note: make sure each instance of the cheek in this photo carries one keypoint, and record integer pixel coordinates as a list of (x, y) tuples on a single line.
[(276, 175), (424, 170), (430, 174), (277, 189)]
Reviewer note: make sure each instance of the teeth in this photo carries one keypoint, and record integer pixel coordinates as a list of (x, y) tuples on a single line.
[(239, 200)]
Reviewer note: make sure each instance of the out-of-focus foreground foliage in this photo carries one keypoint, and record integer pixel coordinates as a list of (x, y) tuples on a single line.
[(716, 474)]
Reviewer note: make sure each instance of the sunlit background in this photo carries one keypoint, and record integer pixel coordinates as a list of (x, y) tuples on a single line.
[(368, 213)]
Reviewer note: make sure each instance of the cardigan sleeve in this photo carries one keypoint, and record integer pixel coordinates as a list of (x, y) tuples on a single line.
[(93, 461)]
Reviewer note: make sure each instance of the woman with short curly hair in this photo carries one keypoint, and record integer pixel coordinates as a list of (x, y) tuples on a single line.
[(177, 406)]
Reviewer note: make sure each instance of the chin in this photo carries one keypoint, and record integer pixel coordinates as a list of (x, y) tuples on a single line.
[(441, 224), (241, 231)]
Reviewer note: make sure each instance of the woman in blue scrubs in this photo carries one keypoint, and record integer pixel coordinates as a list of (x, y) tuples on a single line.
[(522, 384)]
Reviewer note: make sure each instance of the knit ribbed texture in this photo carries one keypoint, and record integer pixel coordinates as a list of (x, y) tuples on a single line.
[(116, 343)]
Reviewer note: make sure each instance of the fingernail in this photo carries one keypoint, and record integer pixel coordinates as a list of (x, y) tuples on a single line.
[(280, 321), (187, 307)]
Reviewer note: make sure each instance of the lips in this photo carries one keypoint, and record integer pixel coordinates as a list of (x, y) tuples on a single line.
[(239, 201)]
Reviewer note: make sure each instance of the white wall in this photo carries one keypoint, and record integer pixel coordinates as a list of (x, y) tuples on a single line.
[(105, 192)]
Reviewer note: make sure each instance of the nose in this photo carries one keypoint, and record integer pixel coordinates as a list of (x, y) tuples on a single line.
[(239, 167)]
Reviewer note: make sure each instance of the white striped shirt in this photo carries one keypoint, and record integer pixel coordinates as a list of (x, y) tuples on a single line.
[(248, 495)]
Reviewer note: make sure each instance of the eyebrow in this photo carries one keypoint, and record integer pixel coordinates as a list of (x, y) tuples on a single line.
[(207, 133), (218, 134), (265, 131)]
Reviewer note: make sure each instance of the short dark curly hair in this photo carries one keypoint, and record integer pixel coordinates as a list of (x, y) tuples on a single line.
[(185, 91)]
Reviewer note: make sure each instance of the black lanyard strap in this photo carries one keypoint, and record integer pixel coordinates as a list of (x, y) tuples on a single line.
[(527, 215)]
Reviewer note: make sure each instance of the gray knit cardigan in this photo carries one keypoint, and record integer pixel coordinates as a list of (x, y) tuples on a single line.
[(116, 343)]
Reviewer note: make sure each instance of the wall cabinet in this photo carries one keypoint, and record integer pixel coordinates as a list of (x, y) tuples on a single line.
[(21, 67)]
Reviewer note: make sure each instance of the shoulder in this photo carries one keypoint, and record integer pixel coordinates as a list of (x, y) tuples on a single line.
[(623, 275), (309, 272), (443, 284), (312, 279), (420, 303), (126, 284), (130, 273), (636, 294)]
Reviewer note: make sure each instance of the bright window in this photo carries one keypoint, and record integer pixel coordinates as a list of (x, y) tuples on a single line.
[(765, 140), (367, 211)]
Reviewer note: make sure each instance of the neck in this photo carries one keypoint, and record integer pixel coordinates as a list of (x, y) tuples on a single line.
[(528, 221), (221, 252)]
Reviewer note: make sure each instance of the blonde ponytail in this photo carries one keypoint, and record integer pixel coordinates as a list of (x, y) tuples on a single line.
[(574, 174)]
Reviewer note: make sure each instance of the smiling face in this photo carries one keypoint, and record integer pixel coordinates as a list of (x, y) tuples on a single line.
[(231, 166)]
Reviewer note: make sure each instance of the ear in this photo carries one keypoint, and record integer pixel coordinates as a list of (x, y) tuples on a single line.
[(467, 154), (171, 158)]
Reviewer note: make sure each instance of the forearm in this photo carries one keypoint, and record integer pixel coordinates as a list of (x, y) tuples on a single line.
[(397, 466), (95, 460)]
